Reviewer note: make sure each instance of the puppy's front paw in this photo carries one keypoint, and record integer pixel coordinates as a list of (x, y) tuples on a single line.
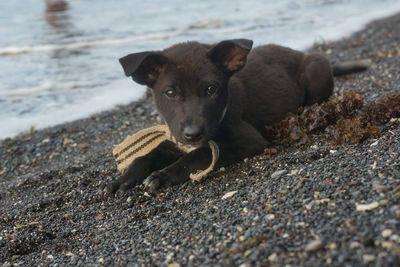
[(163, 178), (123, 184), (155, 181)]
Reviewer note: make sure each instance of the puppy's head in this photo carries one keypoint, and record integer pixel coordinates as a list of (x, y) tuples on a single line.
[(189, 82)]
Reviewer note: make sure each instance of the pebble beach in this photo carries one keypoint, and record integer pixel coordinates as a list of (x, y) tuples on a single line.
[(313, 204)]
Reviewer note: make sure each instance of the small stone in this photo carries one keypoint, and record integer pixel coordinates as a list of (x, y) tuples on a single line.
[(50, 257), (367, 207), (229, 194), (129, 199), (169, 256), (84, 146), (174, 264), (332, 151), (242, 238), (272, 257), (278, 173), (397, 212), (270, 217), (374, 143), (240, 229), (386, 233), (247, 253), (383, 202), (101, 260), (273, 151), (191, 257), (368, 257), (314, 246), (395, 238), (354, 245), (324, 200), (146, 194), (378, 187), (69, 254), (332, 246), (387, 244), (373, 166)]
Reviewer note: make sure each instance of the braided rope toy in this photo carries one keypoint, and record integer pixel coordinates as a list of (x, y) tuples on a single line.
[(146, 140)]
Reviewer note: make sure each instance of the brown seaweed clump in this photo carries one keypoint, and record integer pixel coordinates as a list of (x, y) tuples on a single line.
[(343, 118), (382, 110)]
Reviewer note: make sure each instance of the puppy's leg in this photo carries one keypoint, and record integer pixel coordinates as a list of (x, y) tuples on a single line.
[(159, 158), (179, 171), (316, 78), (243, 141)]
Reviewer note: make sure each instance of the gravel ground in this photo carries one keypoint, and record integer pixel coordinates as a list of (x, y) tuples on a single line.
[(316, 204)]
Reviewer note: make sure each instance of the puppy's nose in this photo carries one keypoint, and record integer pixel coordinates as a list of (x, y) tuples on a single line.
[(192, 133)]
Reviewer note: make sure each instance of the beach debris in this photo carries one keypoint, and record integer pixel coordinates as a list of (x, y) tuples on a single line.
[(367, 207), (386, 233), (375, 143), (229, 194), (270, 217), (344, 118), (272, 257), (314, 246), (368, 257), (355, 245), (278, 173)]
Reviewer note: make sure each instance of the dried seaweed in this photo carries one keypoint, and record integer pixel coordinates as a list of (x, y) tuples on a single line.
[(381, 111), (343, 118)]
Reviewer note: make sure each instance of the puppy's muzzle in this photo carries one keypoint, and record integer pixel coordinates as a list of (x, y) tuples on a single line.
[(193, 134)]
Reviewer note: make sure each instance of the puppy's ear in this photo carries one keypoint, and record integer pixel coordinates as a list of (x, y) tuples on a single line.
[(144, 67), (231, 55)]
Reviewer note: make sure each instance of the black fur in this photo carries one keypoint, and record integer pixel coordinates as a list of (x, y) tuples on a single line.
[(225, 92)]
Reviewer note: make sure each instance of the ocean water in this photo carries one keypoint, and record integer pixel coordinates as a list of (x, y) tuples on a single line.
[(61, 66)]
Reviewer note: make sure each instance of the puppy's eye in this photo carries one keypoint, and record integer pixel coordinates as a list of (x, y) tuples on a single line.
[(170, 93), (211, 89)]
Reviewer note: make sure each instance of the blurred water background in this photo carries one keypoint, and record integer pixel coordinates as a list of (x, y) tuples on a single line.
[(60, 66)]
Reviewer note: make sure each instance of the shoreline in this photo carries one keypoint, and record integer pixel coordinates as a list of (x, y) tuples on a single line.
[(311, 213), (122, 86)]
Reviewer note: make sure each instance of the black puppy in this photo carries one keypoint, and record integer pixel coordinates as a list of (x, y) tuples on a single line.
[(226, 92)]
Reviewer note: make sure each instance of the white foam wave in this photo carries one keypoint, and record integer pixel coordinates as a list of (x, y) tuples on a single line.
[(213, 22), (46, 87), (12, 50), (214, 25)]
